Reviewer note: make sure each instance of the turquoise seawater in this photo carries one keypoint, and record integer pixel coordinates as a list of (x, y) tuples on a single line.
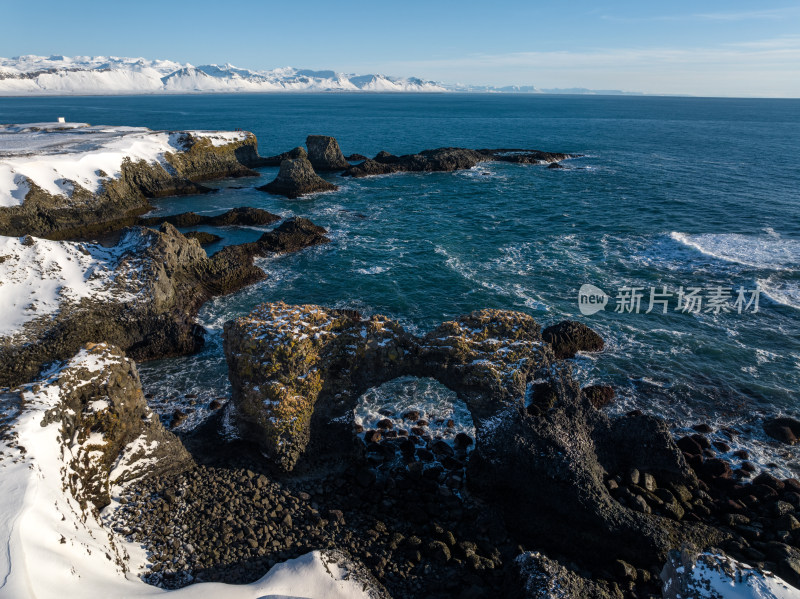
[(671, 192)]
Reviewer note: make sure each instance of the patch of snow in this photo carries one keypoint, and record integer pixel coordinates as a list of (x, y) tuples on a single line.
[(715, 576), (44, 529)]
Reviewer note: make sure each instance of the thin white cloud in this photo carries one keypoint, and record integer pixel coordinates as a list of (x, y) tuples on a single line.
[(764, 68), (774, 14)]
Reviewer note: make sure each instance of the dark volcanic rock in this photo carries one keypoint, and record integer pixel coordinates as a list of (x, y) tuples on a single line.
[(784, 429), (540, 577), (203, 237), (243, 216), (448, 159), (298, 371), (555, 166), (297, 152), (297, 178), (570, 337), (356, 158), (599, 395), (324, 153)]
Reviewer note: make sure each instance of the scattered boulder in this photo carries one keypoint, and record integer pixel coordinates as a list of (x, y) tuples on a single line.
[(324, 153), (555, 165), (297, 178), (599, 395), (783, 429), (356, 158), (570, 337)]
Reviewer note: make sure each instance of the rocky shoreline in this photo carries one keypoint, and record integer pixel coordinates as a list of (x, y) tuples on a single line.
[(546, 496)]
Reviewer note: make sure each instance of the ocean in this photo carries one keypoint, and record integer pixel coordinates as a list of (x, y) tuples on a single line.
[(701, 194)]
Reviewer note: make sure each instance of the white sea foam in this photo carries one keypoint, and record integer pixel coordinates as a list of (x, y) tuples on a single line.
[(786, 293), (769, 251)]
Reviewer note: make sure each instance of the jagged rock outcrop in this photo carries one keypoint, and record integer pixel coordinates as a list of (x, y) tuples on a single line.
[(570, 337), (297, 372), (243, 216), (297, 178), (122, 199), (448, 159), (536, 576), (324, 153), (109, 435), (155, 286)]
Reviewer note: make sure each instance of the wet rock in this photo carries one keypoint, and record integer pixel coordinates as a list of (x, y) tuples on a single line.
[(599, 395), (297, 178), (446, 160), (570, 337), (783, 429), (244, 216), (356, 158), (555, 165), (276, 160), (324, 153), (203, 237)]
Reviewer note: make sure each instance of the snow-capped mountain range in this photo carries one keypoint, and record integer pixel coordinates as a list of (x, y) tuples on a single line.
[(86, 75), (110, 75)]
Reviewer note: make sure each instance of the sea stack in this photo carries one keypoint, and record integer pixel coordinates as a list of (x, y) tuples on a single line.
[(297, 178), (325, 154)]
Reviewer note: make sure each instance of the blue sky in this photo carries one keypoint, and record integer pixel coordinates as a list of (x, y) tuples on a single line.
[(727, 48)]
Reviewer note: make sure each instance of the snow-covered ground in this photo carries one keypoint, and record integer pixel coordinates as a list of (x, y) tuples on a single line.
[(50, 547), (106, 75), (38, 277), (714, 576), (58, 156)]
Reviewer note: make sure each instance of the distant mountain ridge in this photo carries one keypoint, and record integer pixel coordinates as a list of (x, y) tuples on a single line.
[(109, 75)]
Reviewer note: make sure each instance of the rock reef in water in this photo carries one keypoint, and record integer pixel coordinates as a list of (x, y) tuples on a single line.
[(150, 288), (68, 209), (297, 372), (569, 337), (243, 216), (448, 159), (297, 178), (324, 153)]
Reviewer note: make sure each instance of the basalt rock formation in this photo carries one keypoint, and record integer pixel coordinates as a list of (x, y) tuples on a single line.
[(297, 373), (122, 199), (297, 178), (448, 159), (110, 436), (570, 337), (243, 216), (276, 160), (149, 307), (324, 153)]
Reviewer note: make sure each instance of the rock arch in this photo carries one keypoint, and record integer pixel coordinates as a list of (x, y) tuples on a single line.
[(298, 371)]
